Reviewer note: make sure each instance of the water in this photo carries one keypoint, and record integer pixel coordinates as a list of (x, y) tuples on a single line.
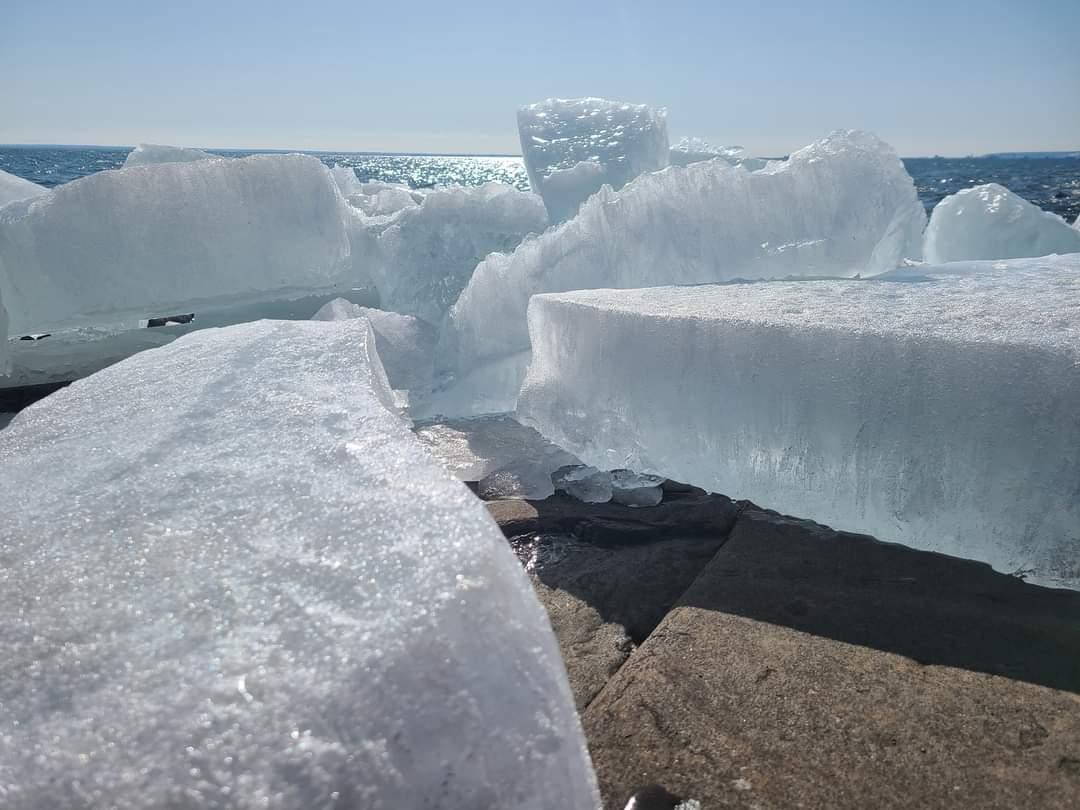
[(1053, 183)]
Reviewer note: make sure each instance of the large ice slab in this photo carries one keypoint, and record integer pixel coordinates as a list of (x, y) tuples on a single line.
[(572, 147), (422, 256), (842, 206), (990, 222), (153, 240), (937, 408), (406, 345), (14, 188), (233, 579), (148, 153)]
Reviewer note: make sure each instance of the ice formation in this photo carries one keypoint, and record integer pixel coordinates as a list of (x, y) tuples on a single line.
[(346, 179), (990, 222), (422, 256), (488, 388), (406, 345), (378, 199), (233, 579), (695, 150), (583, 482), (842, 206), (153, 240), (148, 153), (14, 188), (936, 407), (636, 489), (572, 147)]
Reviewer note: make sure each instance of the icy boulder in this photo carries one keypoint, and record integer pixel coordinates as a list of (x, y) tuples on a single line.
[(148, 153), (574, 146), (842, 206), (232, 578), (154, 240), (14, 188), (937, 408), (406, 345), (990, 222), (423, 256)]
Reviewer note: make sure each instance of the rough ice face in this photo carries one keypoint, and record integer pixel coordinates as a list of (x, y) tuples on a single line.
[(147, 153), (14, 188), (990, 222), (406, 345), (423, 255), (233, 579), (574, 146), (941, 414), (842, 206), (154, 240)]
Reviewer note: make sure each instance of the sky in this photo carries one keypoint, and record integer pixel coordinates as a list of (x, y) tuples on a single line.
[(941, 77)]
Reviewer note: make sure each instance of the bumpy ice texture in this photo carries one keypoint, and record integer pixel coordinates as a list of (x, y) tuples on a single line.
[(422, 256), (574, 146), (233, 579), (842, 206), (147, 153), (154, 240), (938, 413), (14, 188), (990, 222), (406, 345)]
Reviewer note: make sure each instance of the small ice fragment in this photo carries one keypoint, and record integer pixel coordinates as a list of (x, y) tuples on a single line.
[(636, 489), (585, 483)]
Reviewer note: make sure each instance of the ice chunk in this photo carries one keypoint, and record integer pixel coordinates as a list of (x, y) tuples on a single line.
[(346, 179), (941, 414), (166, 238), (233, 579), (423, 255), (574, 146), (990, 222), (406, 345), (147, 153), (514, 460), (636, 489), (842, 206), (14, 188), (583, 482)]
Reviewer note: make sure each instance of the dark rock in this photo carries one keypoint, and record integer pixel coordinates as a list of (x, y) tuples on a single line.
[(810, 668), (653, 797), (15, 398), (166, 320)]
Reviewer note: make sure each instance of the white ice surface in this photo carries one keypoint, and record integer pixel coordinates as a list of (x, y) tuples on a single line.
[(422, 256), (695, 150), (155, 240), (939, 413), (572, 147), (148, 153), (348, 182), (376, 199), (14, 188), (233, 579), (990, 222), (842, 206), (406, 344)]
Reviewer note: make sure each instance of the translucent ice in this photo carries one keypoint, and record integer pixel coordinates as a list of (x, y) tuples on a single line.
[(583, 482), (695, 150), (147, 153), (936, 407), (16, 188), (489, 388), (574, 146), (990, 222), (636, 489), (406, 345), (348, 182), (422, 256), (233, 579), (153, 240), (842, 206)]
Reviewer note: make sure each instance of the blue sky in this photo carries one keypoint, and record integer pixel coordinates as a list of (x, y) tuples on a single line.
[(929, 77)]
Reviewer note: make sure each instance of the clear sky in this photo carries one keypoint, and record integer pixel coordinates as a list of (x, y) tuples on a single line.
[(929, 77)]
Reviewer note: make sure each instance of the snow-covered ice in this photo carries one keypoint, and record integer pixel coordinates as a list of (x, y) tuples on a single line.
[(14, 188), (154, 240), (148, 153), (406, 344), (574, 146), (422, 256), (515, 460), (936, 406), (990, 222), (842, 206), (233, 579)]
